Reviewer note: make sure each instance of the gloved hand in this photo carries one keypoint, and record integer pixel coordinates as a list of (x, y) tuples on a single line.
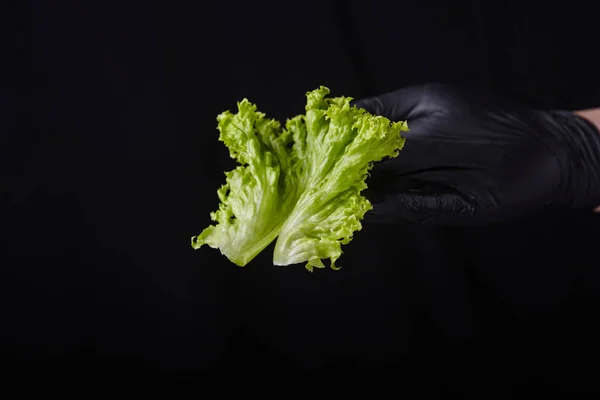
[(472, 158)]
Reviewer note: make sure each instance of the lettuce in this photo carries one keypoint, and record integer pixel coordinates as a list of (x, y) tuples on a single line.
[(260, 193), (299, 185)]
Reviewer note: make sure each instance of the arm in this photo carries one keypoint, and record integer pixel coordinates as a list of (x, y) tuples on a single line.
[(592, 115)]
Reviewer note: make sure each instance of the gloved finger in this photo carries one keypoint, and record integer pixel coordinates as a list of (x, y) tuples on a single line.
[(448, 209), (419, 198), (421, 155), (400, 105)]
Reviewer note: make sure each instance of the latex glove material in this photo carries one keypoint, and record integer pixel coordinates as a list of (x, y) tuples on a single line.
[(472, 158)]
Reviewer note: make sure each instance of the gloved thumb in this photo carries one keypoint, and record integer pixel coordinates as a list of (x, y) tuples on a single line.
[(399, 105)]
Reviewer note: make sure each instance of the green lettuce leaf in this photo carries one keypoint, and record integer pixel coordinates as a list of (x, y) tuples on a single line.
[(260, 193), (300, 185), (337, 145)]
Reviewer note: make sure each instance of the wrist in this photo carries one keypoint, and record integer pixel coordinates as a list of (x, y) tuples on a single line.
[(591, 115)]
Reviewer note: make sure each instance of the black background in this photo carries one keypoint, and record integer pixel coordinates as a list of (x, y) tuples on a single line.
[(110, 163)]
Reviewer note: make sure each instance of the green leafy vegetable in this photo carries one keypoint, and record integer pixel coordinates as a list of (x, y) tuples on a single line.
[(300, 184), (260, 193)]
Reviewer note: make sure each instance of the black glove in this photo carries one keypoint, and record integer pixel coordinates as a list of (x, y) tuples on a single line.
[(472, 158)]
